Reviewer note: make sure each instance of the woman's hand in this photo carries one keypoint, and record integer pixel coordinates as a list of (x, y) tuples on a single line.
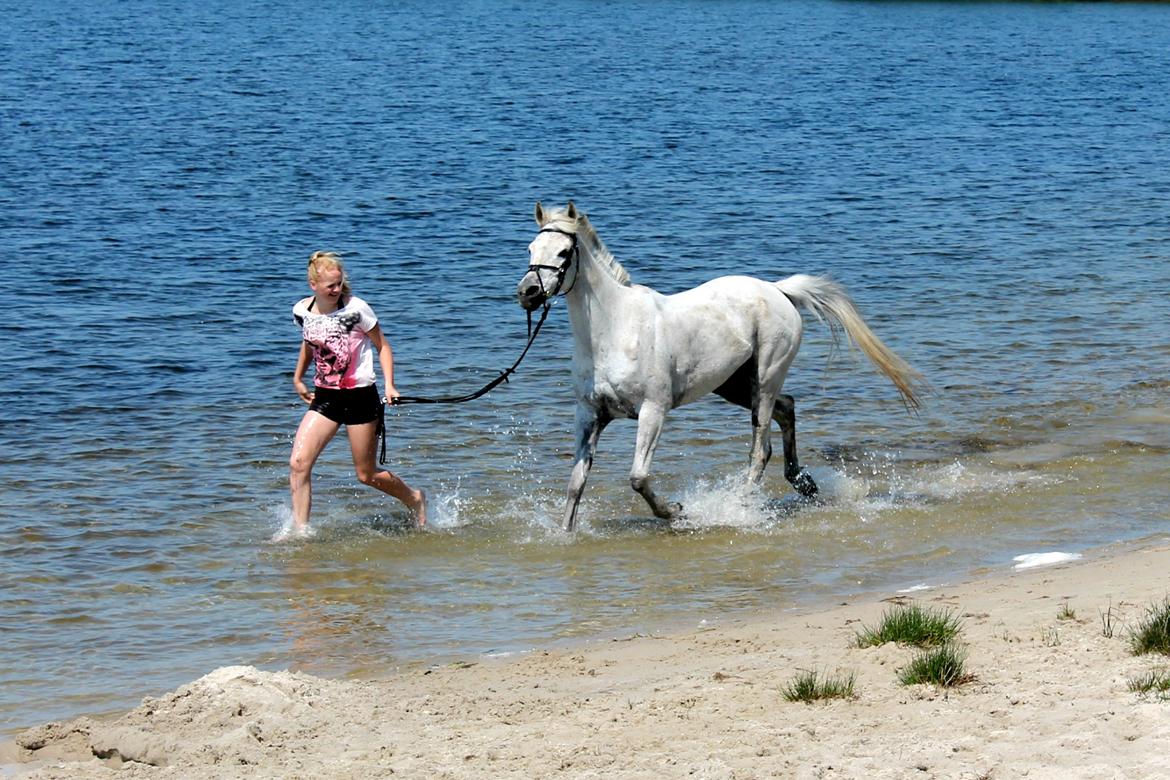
[(306, 395), (391, 396)]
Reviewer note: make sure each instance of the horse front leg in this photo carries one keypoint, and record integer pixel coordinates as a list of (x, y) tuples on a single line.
[(797, 476), (650, 420), (590, 423)]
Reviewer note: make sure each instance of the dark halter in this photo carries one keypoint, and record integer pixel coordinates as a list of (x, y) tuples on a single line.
[(562, 269)]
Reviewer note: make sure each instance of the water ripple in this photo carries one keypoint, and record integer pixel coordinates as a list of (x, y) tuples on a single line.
[(997, 211)]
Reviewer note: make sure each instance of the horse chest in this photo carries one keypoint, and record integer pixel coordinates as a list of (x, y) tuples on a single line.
[(624, 368), (618, 394)]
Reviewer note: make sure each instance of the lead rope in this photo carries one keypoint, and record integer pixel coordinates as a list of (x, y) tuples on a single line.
[(459, 399), (381, 434)]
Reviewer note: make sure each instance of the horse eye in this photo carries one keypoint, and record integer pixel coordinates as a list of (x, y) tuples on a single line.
[(563, 253)]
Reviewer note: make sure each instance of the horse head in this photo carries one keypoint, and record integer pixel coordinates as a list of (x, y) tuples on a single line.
[(553, 256)]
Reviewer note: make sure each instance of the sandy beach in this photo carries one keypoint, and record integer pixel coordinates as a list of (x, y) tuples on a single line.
[(1049, 699)]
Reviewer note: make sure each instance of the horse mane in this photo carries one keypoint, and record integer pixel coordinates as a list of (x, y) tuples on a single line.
[(587, 236)]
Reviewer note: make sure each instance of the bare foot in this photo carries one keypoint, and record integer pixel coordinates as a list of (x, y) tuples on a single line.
[(419, 508)]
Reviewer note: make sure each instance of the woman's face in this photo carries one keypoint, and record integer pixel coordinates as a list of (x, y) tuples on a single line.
[(328, 284)]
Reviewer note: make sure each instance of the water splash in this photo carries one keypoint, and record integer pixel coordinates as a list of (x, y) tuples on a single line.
[(839, 487), (727, 503), (447, 510), (884, 482), (285, 533)]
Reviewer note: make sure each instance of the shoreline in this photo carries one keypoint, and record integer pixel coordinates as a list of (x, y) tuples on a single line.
[(1049, 698)]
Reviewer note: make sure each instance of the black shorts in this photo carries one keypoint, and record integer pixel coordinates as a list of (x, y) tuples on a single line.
[(348, 407)]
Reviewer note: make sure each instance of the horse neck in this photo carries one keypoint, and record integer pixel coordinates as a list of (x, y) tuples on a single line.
[(592, 301)]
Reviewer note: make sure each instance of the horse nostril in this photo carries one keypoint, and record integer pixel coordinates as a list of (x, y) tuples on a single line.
[(530, 291)]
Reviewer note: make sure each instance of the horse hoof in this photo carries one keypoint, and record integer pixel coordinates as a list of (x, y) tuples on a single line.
[(804, 484)]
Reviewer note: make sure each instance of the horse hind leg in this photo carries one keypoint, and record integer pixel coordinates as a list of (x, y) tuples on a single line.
[(742, 389), (738, 390), (784, 413)]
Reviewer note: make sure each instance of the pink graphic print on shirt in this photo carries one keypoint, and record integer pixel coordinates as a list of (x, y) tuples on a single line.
[(335, 343)]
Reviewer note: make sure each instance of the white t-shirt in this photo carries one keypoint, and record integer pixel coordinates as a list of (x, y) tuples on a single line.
[(342, 352)]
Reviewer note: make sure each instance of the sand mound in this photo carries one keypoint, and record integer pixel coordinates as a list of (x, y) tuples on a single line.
[(235, 715)]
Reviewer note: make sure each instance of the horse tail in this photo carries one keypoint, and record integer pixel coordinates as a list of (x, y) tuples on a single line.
[(830, 304)]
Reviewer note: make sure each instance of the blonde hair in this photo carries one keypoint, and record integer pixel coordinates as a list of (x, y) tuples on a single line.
[(319, 260)]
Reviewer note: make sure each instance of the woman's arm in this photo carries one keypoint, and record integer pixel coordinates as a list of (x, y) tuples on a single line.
[(299, 373), (386, 359)]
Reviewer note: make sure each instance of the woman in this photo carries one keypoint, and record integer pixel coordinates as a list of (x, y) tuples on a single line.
[(341, 334)]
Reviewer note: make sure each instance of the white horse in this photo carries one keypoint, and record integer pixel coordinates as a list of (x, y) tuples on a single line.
[(638, 353)]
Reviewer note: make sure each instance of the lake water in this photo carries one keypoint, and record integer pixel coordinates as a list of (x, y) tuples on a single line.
[(991, 181)]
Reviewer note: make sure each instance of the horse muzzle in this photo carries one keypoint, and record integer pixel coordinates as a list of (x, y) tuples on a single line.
[(529, 294)]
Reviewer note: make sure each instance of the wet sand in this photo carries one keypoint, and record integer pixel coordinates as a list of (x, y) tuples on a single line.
[(1049, 699)]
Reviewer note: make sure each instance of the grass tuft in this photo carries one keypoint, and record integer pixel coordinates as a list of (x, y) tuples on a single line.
[(808, 686), (1153, 633), (912, 625), (1066, 612), (945, 666), (1155, 682), (1109, 622)]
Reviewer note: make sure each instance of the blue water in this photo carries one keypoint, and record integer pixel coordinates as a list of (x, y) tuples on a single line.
[(991, 181)]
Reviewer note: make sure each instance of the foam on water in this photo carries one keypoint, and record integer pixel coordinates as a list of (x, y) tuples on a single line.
[(1033, 560), (901, 485), (958, 479)]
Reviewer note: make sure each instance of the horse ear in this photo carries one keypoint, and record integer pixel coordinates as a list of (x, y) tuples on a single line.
[(539, 214), (571, 211)]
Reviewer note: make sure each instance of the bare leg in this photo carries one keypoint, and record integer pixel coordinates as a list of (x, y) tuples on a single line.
[(313, 434), (590, 423), (785, 414), (650, 421), (362, 439)]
